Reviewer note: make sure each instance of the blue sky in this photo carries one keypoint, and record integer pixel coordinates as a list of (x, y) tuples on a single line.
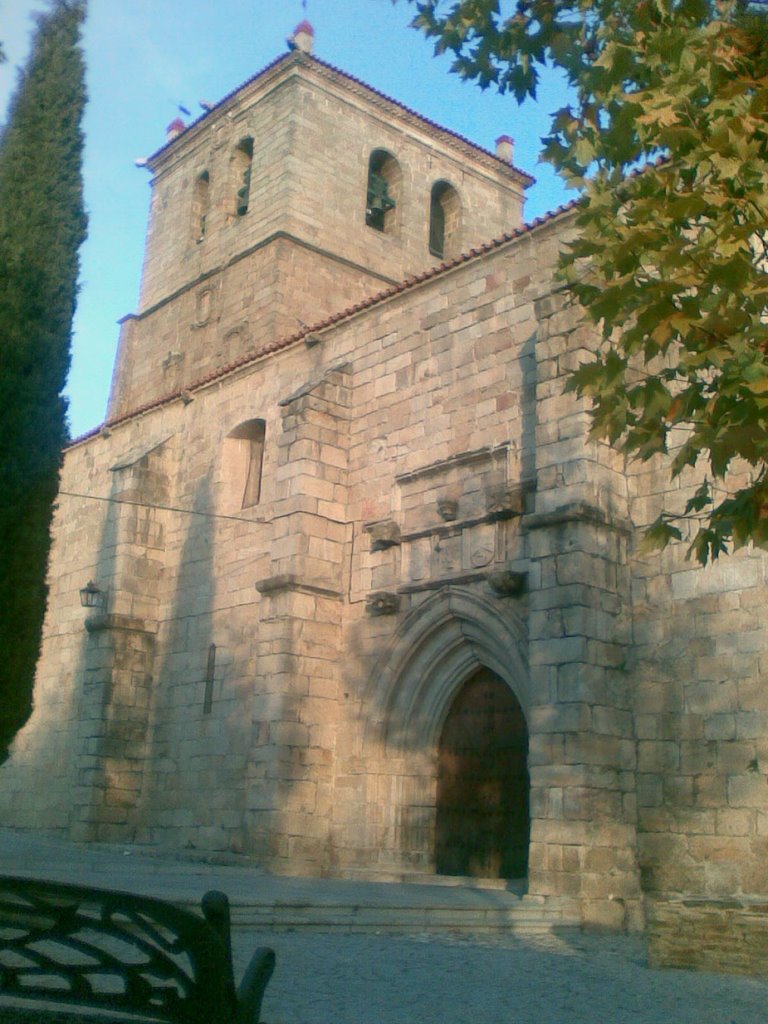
[(147, 56)]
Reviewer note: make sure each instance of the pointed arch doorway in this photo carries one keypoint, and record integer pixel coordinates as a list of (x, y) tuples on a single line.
[(482, 823)]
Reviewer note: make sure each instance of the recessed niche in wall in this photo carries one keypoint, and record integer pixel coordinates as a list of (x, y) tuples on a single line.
[(234, 338), (203, 306)]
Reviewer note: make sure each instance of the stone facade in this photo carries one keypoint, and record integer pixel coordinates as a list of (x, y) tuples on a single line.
[(340, 478)]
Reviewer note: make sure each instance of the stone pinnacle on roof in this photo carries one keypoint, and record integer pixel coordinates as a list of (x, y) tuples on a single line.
[(504, 145), (174, 129), (302, 38)]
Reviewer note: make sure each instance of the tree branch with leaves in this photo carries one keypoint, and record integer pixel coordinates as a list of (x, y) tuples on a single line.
[(667, 141), (42, 226)]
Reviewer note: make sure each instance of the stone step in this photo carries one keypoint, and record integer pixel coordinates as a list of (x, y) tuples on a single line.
[(515, 885), (522, 915), (365, 900)]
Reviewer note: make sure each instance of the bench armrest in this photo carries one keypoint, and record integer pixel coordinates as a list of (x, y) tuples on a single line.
[(251, 989)]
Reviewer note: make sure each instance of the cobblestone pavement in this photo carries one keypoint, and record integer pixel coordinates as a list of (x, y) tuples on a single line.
[(380, 978), (325, 978), (582, 979)]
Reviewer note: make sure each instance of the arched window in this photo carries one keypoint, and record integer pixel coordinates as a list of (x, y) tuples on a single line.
[(444, 220), (383, 191), (201, 201), (243, 159), (243, 458)]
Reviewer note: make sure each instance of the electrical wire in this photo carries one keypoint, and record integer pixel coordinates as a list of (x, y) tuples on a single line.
[(161, 508), (195, 512)]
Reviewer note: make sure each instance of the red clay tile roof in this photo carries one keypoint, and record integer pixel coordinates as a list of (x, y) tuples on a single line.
[(364, 304)]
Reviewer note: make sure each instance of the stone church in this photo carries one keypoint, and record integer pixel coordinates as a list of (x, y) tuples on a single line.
[(364, 600)]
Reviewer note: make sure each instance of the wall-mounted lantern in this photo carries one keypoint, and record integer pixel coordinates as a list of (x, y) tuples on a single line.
[(92, 596)]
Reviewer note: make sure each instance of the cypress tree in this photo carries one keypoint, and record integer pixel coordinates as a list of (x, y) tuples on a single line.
[(42, 225)]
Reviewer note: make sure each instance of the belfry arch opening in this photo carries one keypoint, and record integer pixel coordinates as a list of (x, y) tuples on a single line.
[(444, 220), (482, 824), (382, 192), (243, 160)]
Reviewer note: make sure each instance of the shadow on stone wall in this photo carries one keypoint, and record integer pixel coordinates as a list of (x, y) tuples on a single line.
[(118, 665), (176, 799)]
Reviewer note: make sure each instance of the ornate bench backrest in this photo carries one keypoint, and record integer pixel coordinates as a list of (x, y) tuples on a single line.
[(113, 950)]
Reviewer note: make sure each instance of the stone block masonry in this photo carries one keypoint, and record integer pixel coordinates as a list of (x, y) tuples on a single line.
[(346, 526), (709, 934)]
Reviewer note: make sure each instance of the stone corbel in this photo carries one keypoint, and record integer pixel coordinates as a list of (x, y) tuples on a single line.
[(507, 583), (385, 534), (382, 602), (504, 502)]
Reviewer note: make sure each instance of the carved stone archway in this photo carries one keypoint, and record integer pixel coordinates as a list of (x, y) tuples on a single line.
[(441, 644)]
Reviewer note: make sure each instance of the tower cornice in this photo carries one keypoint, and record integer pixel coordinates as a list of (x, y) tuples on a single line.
[(297, 61)]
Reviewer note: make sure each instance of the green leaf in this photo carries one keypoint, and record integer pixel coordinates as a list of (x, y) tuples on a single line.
[(660, 533)]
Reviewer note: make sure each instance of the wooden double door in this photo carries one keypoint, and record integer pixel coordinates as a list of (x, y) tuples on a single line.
[(483, 820)]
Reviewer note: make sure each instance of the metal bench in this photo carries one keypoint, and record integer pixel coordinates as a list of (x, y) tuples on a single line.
[(113, 951)]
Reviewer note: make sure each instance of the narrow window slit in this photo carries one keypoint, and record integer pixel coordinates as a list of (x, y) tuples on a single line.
[(209, 674)]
